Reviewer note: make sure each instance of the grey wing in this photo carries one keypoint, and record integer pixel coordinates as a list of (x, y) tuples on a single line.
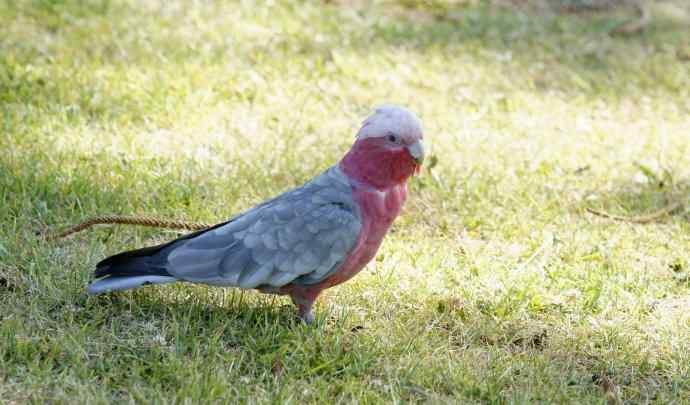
[(306, 233)]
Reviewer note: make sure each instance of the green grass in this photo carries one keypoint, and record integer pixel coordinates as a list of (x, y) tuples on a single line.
[(494, 286)]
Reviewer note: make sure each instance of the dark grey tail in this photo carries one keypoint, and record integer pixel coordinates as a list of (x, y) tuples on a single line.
[(132, 269)]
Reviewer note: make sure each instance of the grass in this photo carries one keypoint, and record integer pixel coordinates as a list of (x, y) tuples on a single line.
[(494, 286)]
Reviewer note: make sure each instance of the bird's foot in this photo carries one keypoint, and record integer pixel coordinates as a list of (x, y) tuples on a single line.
[(307, 317), (304, 303)]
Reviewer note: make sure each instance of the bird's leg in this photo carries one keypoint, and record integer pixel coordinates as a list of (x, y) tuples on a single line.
[(304, 303)]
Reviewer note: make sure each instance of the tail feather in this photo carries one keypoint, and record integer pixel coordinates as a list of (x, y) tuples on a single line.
[(110, 284), (136, 268), (131, 269)]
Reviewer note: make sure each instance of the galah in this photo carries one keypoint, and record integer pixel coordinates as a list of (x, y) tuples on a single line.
[(301, 242)]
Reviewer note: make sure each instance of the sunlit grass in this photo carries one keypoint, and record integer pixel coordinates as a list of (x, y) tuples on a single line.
[(495, 284)]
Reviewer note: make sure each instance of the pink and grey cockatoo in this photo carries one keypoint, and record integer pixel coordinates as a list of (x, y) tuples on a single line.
[(301, 242)]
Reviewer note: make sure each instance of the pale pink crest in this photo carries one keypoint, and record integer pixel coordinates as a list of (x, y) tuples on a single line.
[(392, 119)]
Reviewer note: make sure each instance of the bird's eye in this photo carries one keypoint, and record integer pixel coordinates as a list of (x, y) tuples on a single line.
[(392, 137)]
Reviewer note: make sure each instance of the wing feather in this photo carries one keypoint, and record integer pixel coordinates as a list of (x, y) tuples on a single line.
[(300, 236)]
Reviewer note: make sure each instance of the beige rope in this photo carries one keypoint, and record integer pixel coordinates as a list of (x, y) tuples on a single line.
[(127, 220), (642, 219), (196, 226), (638, 25)]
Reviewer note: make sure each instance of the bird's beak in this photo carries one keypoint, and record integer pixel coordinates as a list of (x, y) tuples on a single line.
[(417, 151)]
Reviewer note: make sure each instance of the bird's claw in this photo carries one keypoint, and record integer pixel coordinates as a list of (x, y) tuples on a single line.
[(307, 317)]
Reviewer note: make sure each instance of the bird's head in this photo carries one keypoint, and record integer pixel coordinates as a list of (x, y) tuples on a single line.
[(388, 149)]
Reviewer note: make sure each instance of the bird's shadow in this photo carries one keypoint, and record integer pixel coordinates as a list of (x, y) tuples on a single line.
[(231, 317)]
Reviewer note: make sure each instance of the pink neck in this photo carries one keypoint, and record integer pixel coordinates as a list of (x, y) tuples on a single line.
[(371, 163)]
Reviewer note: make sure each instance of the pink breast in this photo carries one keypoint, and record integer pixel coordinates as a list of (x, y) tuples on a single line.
[(379, 209)]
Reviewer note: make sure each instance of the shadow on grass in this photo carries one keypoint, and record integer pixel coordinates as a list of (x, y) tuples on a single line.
[(569, 52), (208, 309), (563, 52)]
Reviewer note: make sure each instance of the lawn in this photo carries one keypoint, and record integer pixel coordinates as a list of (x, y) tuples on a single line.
[(495, 285)]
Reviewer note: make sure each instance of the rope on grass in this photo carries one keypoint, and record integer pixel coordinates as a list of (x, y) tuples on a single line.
[(127, 220), (638, 25), (642, 219), (157, 222)]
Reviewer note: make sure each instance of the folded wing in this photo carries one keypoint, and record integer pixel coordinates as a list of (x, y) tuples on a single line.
[(303, 236)]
